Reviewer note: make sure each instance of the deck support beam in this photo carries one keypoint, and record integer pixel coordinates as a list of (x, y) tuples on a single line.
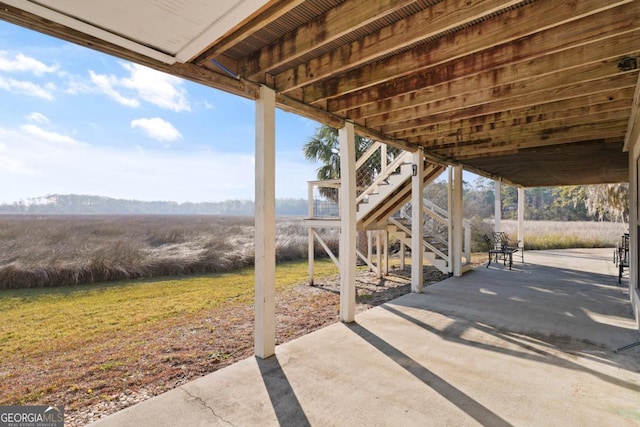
[(455, 246), (498, 205), (265, 225), (633, 143), (521, 218), (348, 231), (417, 223)]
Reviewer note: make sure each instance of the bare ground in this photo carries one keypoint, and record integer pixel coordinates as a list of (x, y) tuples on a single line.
[(185, 348)]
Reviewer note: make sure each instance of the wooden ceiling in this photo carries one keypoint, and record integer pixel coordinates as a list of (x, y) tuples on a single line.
[(535, 92)]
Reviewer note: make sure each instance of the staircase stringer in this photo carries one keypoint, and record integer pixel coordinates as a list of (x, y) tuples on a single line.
[(376, 219)]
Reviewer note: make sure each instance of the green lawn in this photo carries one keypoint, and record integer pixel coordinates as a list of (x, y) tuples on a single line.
[(41, 320)]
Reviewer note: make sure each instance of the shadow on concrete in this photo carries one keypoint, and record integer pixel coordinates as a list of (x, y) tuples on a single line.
[(457, 397), (531, 351), (283, 398), (540, 309)]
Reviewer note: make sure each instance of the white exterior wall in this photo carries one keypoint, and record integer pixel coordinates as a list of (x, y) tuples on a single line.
[(634, 222)]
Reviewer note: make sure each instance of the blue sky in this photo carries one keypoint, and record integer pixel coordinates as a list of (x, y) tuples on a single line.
[(75, 121)]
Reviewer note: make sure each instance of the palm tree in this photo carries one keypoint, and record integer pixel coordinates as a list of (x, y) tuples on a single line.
[(323, 147)]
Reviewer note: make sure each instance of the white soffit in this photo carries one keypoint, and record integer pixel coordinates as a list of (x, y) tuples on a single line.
[(166, 30)]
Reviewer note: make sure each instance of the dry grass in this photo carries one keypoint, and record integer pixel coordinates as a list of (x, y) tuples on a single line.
[(101, 344), (102, 347), (540, 235), (99, 348), (46, 251), (49, 251)]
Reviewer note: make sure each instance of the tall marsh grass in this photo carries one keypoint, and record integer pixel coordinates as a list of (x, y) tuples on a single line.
[(44, 251), (540, 235)]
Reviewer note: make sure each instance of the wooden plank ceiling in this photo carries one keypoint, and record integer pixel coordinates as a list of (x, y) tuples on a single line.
[(536, 92)]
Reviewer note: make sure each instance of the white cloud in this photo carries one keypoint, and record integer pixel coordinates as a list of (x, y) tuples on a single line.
[(38, 117), (105, 84), (22, 63), (157, 128), (36, 166), (27, 88), (143, 83), (48, 136), (157, 88)]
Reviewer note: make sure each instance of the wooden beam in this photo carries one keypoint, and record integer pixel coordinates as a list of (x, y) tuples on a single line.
[(499, 65), (514, 96), (477, 114), (337, 22), (508, 129), (490, 175), (506, 27), (475, 91), (275, 11), (540, 113), (633, 127), (549, 137), (423, 25), (188, 71), (497, 155)]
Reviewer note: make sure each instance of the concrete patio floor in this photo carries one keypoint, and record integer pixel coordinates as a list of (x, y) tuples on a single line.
[(533, 346)]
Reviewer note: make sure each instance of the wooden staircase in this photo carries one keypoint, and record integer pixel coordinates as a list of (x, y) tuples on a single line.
[(382, 196), (434, 251)]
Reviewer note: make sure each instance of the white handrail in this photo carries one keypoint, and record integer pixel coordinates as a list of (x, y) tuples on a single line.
[(426, 244), (380, 178), (365, 156)]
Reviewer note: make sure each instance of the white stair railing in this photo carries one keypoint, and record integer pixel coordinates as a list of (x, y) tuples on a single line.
[(382, 178)]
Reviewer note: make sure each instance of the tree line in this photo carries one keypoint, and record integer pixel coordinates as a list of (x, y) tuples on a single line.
[(75, 204), (605, 202)]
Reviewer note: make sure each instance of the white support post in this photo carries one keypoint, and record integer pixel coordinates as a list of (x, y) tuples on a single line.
[(402, 255), (379, 254), (346, 136), (370, 246), (450, 218), (634, 221), (498, 205), (385, 234), (467, 244), (311, 246), (521, 217), (265, 225), (383, 159), (311, 256), (456, 248), (417, 223)]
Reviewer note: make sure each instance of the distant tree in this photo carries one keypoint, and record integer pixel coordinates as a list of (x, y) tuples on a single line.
[(478, 198), (608, 201), (324, 148)]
